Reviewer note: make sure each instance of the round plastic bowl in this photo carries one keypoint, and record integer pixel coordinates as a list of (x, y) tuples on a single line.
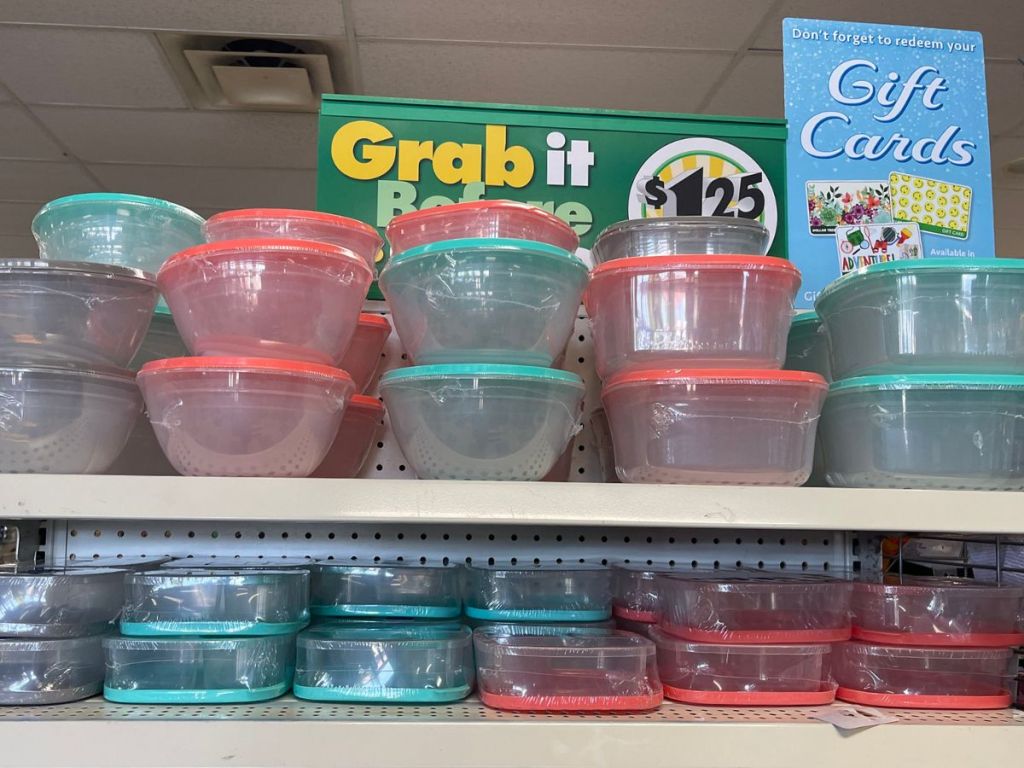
[(691, 312), (65, 421), (925, 431), (362, 357), (915, 316), (924, 678), (289, 299), (541, 593), (359, 428), (670, 235), (244, 417), (479, 218), (923, 611), (807, 346), (109, 228), (726, 426), (351, 234), (59, 602), (635, 592), (50, 671), (70, 312), (390, 590), (482, 422), (744, 675), (480, 301)]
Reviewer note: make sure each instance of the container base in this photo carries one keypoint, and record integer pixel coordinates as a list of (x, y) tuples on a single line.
[(383, 695), (752, 698), (908, 701), (172, 696), (571, 703), (967, 640)]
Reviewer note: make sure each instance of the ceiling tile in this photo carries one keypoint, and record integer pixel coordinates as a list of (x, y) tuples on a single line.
[(18, 247), (256, 139), (16, 218), (22, 180), (1005, 96), (1005, 151), (753, 88), (50, 65), (576, 77), (21, 138), (220, 188)]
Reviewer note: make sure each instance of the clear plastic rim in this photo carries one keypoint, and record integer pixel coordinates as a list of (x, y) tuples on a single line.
[(487, 245), (86, 269), (294, 214), (109, 375), (684, 222), (326, 252), (339, 637), (926, 652), (663, 638)]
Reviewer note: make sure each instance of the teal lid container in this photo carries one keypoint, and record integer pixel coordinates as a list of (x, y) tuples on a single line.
[(386, 590)]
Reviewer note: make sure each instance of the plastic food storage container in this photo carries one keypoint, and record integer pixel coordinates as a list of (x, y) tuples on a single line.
[(287, 299), (932, 611), (162, 340), (925, 431), (396, 590), (215, 602), (479, 219), (197, 670), (602, 434), (744, 675), (59, 602), (482, 422), (725, 426), (544, 593), (691, 312), (924, 678), (110, 228), (569, 672), (50, 671), (362, 358), (423, 665), (926, 315), (671, 235), (65, 420), (807, 347), (635, 592), (484, 301), (734, 608), (59, 312), (284, 223), (244, 417), (359, 429)]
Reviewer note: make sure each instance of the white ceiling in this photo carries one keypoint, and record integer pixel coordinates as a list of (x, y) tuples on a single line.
[(89, 101)]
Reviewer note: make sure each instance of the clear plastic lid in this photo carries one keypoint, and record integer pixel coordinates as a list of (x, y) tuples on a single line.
[(611, 643), (78, 268), (339, 635)]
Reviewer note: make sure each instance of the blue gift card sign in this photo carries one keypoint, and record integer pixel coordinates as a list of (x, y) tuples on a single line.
[(887, 150)]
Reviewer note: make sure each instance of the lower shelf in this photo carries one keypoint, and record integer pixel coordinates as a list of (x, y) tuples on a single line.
[(288, 732)]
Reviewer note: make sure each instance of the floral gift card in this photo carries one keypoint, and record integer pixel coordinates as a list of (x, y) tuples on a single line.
[(832, 204)]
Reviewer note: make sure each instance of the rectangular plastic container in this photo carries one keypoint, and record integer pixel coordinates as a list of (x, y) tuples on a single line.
[(635, 592), (50, 671), (395, 590), (57, 602), (616, 671), (542, 593)]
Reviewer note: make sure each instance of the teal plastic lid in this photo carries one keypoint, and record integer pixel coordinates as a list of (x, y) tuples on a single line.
[(810, 317), (473, 370), (115, 197), (490, 244), (929, 381)]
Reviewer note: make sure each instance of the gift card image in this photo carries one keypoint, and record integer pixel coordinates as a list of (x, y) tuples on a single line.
[(867, 244), (938, 207), (832, 204)]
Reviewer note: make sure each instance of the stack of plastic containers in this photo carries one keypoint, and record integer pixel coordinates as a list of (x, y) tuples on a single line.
[(690, 322), (635, 596), (484, 296)]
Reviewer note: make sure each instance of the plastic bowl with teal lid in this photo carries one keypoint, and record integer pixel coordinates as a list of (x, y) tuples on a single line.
[(483, 422), (410, 664), (484, 300), (952, 431), (539, 593), (386, 590), (197, 670), (807, 346), (926, 316), (215, 602)]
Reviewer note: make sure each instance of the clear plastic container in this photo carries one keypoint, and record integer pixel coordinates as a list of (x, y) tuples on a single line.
[(635, 591), (359, 429), (691, 312), (362, 357), (924, 678), (673, 235), (215, 602), (111, 228), (926, 315), (609, 672), (482, 422), (59, 602), (287, 299), (484, 301), (602, 434), (60, 313), (65, 420), (396, 590), (935, 611), (198, 670), (50, 671), (807, 347), (725, 426), (285, 223), (479, 218), (422, 665), (162, 340), (542, 593), (751, 609), (925, 431), (244, 417), (744, 675)]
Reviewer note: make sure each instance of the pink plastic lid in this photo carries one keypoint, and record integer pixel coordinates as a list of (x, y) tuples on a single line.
[(917, 701), (661, 263), (483, 206), (366, 403), (757, 636), (715, 376), (294, 213), (377, 321), (312, 250), (751, 698), (267, 364), (571, 703), (964, 640)]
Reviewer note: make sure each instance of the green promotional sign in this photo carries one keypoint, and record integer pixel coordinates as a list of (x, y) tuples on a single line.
[(379, 158)]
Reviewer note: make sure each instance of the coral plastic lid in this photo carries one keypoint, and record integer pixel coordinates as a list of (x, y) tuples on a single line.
[(963, 640), (377, 321), (270, 365), (473, 206), (632, 614), (683, 261), (326, 252), (919, 701), (751, 698), (543, 703), (716, 376), (294, 213), (367, 403)]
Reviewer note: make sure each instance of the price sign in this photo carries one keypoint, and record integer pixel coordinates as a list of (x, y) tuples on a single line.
[(696, 195)]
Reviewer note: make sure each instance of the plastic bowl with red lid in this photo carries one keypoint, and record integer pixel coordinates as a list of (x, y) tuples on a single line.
[(264, 297), (351, 234), (479, 218), (691, 312), (244, 417), (938, 612), (362, 357), (359, 428), (728, 426)]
